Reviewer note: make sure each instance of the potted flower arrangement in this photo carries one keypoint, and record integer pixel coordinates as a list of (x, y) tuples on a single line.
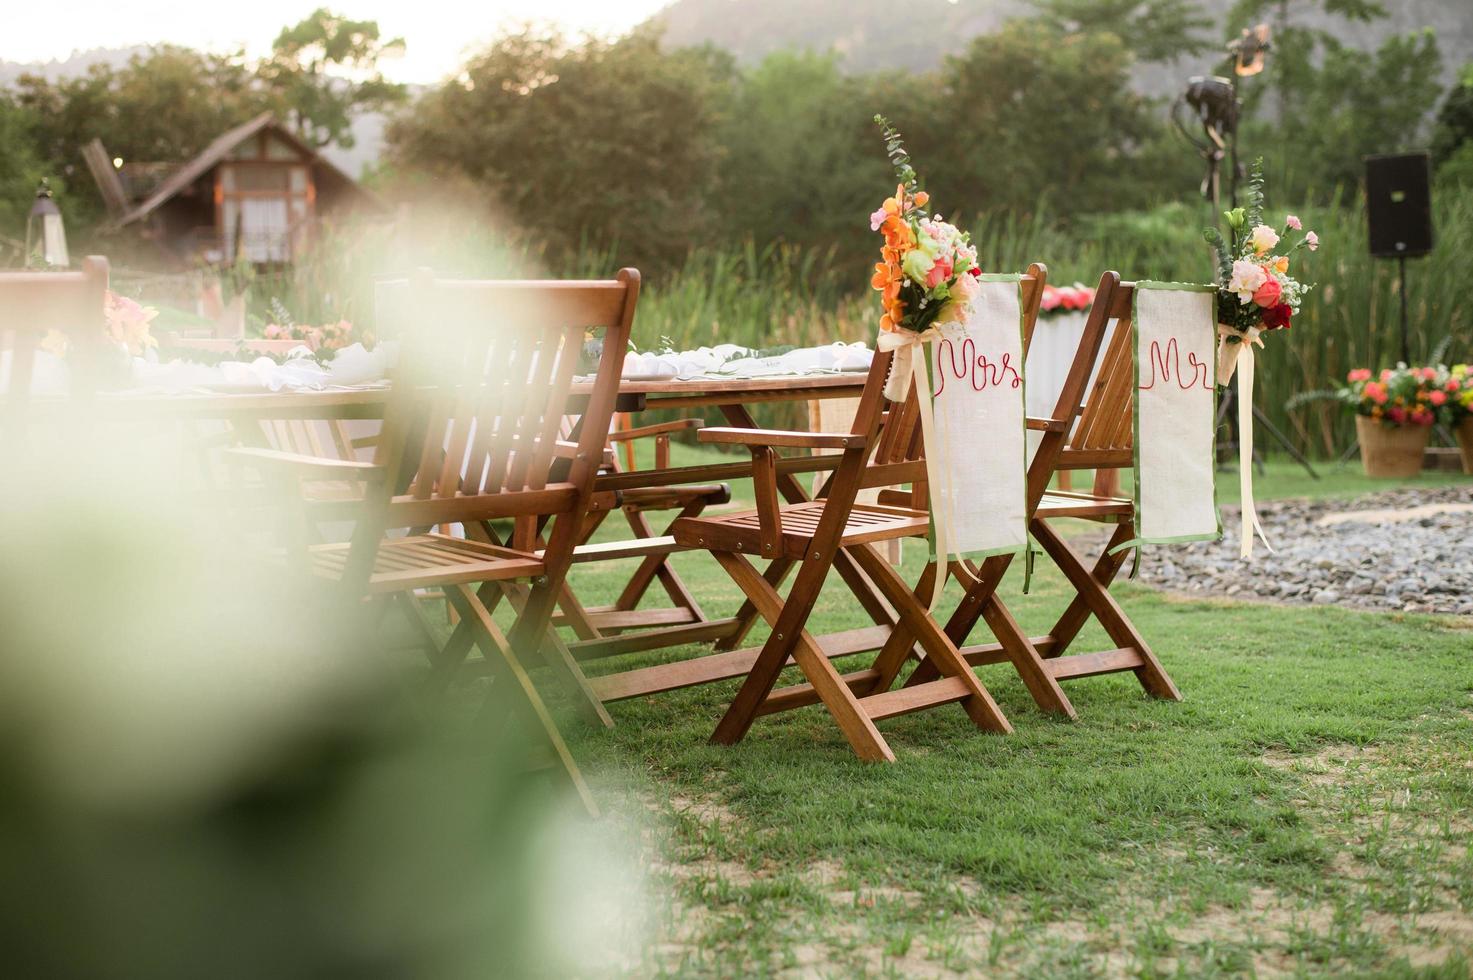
[(1255, 291), (1458, 387), (1394, 412)]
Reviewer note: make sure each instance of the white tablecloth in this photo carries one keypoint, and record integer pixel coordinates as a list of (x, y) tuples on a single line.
[(1050, 356)]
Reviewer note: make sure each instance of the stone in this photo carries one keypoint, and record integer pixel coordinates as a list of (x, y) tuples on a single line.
[(1391, 550)]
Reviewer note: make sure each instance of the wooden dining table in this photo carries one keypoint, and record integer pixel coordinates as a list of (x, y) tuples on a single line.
[(732, 398)]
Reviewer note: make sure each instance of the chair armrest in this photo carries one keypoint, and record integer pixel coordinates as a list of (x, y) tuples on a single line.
[(658, 428), (788, 440), (1045, 425), (317, 467)]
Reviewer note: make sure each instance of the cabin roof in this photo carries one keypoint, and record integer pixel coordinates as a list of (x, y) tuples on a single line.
[(189, 172)]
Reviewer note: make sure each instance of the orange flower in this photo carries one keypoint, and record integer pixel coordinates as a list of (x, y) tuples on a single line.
[(922, 198), (1281, 264)]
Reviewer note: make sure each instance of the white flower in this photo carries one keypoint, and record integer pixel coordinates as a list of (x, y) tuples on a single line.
[(1247, 277)]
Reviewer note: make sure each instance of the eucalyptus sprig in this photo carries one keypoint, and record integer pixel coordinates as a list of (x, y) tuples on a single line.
[(895, 150)]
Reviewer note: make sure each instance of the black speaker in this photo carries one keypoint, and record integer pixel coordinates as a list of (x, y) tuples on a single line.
[(1399, 204)]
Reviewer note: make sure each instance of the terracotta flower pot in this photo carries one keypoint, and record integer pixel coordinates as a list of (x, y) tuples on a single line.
[(1229, 343), (1388, 451), (1465, 443)]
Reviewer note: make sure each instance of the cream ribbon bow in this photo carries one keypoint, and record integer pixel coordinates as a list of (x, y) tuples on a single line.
[(909, 363), (1244, 365)]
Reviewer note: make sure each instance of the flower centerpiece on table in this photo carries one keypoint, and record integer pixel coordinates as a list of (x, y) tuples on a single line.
[(1059, 300), (928, 270), (125, 326), (325, 337), (1255, 291)]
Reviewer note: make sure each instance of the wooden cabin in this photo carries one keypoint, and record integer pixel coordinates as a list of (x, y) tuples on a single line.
[(256, 194)]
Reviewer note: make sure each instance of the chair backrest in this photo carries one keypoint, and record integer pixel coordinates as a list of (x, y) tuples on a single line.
[(479, 394), (32, 304), (899, 456), (1095, 406)]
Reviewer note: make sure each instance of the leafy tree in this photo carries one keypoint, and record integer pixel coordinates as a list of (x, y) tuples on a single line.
[(150, 109), (1454, 127), (1353, 103), (1296, 46), (324, 69), (1029, 111), (1155, 30), (799, 162), (601, 142), (20, 172)]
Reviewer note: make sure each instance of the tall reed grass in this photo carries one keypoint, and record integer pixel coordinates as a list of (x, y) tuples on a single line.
[(776, 294)]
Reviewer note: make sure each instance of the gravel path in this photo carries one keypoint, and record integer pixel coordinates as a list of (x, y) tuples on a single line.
[(1409, 550)]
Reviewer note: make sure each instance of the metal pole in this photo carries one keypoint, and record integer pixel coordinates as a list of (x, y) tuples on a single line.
[(1233, 150), (1406, 351)]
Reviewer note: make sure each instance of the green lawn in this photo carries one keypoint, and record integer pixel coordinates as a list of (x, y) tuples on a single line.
[(1306, 809)]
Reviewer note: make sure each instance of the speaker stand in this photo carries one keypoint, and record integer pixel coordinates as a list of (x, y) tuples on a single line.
[(1401, 288)]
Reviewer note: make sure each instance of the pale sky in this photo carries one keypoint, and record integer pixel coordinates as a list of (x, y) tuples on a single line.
[(436, 32)]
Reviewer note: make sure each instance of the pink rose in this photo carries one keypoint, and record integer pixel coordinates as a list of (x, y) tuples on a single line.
[(1438, 398), (940, 272), (1052, 298), (1293, 222), (1268, 294), (1385, 375), (1359, 374)]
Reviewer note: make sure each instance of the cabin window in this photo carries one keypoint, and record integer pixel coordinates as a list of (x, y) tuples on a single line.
[(265, 203)]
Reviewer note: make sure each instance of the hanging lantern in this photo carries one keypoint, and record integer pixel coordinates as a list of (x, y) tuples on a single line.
[(45, 234)]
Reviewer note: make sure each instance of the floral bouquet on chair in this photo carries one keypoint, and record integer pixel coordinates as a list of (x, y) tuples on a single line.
[(927, 272), (1255, 292)]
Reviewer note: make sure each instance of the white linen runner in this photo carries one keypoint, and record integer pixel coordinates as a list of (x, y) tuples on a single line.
[(978, 406), (1175, 412)]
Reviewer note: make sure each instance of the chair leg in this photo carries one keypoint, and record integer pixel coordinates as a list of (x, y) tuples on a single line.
[(901, 642), (981, 602), (555, 653), (1107, 566), (471, 610), (939, 648), (657, 568), (1097, 596), (746, 616), (575, 616), (789, 638)]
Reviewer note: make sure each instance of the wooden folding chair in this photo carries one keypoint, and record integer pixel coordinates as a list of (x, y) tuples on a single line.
[(470, 435), (1093, 433), (594, 625), (32, 304), (882, 450)]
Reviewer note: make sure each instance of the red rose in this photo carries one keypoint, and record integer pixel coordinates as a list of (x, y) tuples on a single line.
[(1267, 295), (1277, 316)]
